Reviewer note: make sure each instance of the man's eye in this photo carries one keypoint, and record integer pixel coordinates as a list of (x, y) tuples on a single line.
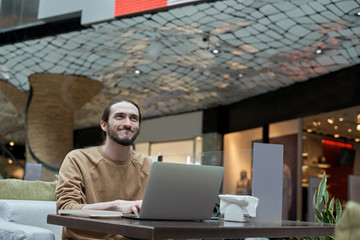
[(135, 119)]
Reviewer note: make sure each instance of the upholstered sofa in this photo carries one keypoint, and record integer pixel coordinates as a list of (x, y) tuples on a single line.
[(24, 206)]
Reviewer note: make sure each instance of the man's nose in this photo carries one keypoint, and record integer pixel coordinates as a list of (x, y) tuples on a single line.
[(127, 121)]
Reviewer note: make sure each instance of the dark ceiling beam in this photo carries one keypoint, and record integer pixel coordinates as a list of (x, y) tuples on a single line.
[(70, 23), (40, 31), (329, 92)]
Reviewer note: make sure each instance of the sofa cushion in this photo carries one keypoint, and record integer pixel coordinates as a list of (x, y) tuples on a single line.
[(29, 212), (15, 231), (28, 190)]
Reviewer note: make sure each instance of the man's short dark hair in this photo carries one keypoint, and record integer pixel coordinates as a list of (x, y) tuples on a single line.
[(106, 113)]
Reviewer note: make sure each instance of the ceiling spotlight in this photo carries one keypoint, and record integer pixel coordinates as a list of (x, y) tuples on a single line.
[(215, 51), (330, 120), (309, 130), (318, 51), (336, 135), (357, 139), (358, 127), (11, 143), (314, 123), (341, 119), (240, 75), (349, 130), (358, 14), (336, 127), (137, 71)]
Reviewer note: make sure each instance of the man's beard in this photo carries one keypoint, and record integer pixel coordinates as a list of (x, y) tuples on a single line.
[(122, 141)]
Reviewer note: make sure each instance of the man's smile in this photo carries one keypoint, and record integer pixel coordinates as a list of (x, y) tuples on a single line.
[(125, 129)]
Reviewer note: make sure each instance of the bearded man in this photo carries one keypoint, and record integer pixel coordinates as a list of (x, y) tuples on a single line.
[(108, 177)]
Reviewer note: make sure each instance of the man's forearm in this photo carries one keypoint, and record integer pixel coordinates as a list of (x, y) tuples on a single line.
[(111, 206), (117, 205)]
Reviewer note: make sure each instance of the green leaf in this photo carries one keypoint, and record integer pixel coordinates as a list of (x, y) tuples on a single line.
[(316, 209), (324, 201), (331, 205), (318, 215), (325, 217), (321, 190), (326, 198), (338, 210), (314, 199), (330, 216)]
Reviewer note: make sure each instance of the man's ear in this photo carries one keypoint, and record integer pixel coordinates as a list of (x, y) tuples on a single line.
[(103, 125)]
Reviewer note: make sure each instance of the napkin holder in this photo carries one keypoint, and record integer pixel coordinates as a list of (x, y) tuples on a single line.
[(238, 208)]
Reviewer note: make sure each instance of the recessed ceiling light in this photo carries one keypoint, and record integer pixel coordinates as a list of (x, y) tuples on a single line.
[(349, 130), (330, 120), (358, 14), (309, 130), (336, 127), (215, 51), (240, 75), (341, 119), (137, 71), (318, 51), (358, 127), (357, 139), (336, 135)]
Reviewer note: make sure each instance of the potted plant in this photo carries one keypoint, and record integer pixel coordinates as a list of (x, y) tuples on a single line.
[(327, 209)]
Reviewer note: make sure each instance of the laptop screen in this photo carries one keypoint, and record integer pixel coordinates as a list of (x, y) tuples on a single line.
[(181, 192)]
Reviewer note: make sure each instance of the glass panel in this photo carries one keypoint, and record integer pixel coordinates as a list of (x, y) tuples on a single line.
[(18, 13), (176, 152)]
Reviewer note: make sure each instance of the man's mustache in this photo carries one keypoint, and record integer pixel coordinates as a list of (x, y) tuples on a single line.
[(126, 128)]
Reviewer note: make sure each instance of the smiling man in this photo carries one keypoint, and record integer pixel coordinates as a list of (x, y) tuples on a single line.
[(107, 177)]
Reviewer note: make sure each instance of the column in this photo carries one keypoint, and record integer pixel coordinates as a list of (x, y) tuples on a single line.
[(55, 100)]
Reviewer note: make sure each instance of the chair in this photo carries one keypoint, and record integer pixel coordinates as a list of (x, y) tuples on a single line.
[(348, 227)]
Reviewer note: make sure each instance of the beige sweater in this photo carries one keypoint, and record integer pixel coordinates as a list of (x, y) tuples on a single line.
[(88, 176)]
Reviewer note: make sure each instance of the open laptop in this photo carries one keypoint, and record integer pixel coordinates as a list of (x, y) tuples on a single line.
[(180, 192)]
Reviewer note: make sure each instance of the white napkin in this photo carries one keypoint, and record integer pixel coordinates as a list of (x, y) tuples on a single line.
[(239, 208)]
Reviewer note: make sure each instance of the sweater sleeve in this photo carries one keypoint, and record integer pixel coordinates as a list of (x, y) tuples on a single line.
[(69, 193)]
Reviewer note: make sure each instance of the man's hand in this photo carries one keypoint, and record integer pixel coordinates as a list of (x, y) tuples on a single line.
[(117, 205), (128, 206)]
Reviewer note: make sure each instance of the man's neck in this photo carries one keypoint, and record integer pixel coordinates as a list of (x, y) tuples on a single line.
[(116, 151)]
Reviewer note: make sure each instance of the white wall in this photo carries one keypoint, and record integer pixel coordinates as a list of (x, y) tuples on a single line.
[(188, 125), (238, 156), (284, 128)]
